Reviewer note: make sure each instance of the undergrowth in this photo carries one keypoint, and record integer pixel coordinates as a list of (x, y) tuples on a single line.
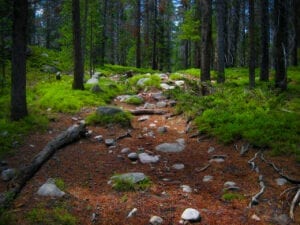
[(121, 184), (120, 118)]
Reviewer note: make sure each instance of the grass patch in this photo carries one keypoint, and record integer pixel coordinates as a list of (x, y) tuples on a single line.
[(120, 118), (7, 218), (144, 81), (176, 76), (109, 69), (60, 183), (56, 216), (134, 100), (122, 185), (230, 196)]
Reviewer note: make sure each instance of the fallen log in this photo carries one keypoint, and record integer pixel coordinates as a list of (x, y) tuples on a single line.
[(138, 112), (70, 135)]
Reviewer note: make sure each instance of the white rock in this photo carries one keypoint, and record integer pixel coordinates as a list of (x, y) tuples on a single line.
[(161, 104), (146, 158), (228, 184), (125, 150), (143, 118), (217, 160), (179, 83), (156, 220), (186, 188), (211, 149), (50, 189), (93, 81), (207, 178), (191, 215), (255, 217), (132, 212), (178, 166), (281, 181), (166, 86)]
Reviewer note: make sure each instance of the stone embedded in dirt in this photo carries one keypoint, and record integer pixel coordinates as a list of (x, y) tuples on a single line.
[(217, 160), (99, 138), (132, 212), (162, 130), (281, 181), (143, 118), (134, 177), (171, 147), (282, 219), (50, 189), (133, 156), (211, 149), (109, 142), (8, 174), (108, 110), (146, 158), (255, 217), (156, 220), (178, 166), (186, 188), (125, 150), (161, 104), (152, 125), (191, 215), (158, 96), (207, 178), (148, 105), (230, 185)]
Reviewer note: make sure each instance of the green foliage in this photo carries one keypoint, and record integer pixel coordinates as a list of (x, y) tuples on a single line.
[(230, 196), (109, 69), (120, 184), (56, 216), (134, 100), (189, 29), (176, 76), (121, 118), (7, 218), (153, 80), (192, 71), (60, 184)]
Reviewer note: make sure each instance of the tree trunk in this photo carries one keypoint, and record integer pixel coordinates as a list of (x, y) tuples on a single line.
[(138, 34), (280, 44), (103, 38), (251, 45), (206, 40), (154, 48), (70, 135), (221, 40), (18, 78), (84, 30), (264, 71), (296, 6), (78, 63)]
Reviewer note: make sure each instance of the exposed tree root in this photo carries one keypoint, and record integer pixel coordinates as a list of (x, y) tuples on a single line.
[(70, 135), (254, 199), (124, 136), (203, 168), (252, 163), (138, 112), (244, 149), (293, 204)]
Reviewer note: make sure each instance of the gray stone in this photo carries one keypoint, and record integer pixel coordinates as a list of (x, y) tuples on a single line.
[(99, 138), (162, 130), (92, 81), (171, 147), (134, 177), (133, 156), (50, 189), (142, 82), (158, 96), (125, 150), (146, 158), (149, 106), (281, 181), (186, 188), (8, 174), (166, 86), (229, 184), (207, 178), (191, 215), (179, 83), (211, 149), (109, 142), (143, 118), (132, 212), (161, 104), (156, 220), (108, 110), (164, 76), (178, 166)]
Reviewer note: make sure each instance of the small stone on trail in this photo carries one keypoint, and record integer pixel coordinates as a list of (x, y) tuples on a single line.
[(255, 217), (178, 166), (132, 212), (8, 174), (146, 158), (99, 138), (133, 156), (109, 142), (162, 130), (125, 150), (156, 220), (191, 215), (149, 106), (143, 118), (217, 160), (281, 181), (186, 188), (171, 147), (207, 178), (211, 149), (135, 177), (161, 104), (50, 189)]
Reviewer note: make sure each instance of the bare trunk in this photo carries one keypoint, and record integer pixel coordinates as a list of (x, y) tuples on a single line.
[(221, 41), (264, 71), (251, 45)]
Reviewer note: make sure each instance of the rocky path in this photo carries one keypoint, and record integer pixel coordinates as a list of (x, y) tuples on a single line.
[(192, 179)]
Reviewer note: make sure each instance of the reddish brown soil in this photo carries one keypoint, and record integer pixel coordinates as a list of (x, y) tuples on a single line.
[(86, 166)]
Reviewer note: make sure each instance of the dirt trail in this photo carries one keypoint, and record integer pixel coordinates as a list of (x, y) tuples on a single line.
[(87, 165)]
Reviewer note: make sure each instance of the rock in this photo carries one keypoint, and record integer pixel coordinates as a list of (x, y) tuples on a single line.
[(96, 88), (164, 76), (133, 156), (143, 118), (162, 130), (281, 181), (108, 110), (143, 82), (230, 185), (161, 104), (282, 219), (211, 149), (217, 160), (109, 142), (191, 215), (171, 147), (172, 103), (156, 220), (50, 189), (255, 217), (179, 83), (186, 188), (92, 81), (149, 106), (96, 75), (146, 158), (158, 96), (125, 150), (178, 166), (207, 178), (166, 86), (99, 138), (49, 69), (132, 212), (135, 177), (8, 174)]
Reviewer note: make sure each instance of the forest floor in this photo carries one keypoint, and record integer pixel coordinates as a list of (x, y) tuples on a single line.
[(87, 165)]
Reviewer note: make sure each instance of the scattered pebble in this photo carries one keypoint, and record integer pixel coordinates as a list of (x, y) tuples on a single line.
[(156, 220), (132, 212), (146, 158), (133, 156), (191, 215), (143, 118), (50, 189), (255, 217), (99, 138), (207, 178), (178, 166), (186, 188), (8, 174), (109, 142), (281, 181), (211, 149), (125, 150)]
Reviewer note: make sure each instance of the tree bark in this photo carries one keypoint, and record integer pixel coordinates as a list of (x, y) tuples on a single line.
[(221, 40), (251, 45), (138, 34), (103, 38), (264, 68), (280, 44), (154, 47), (18, 78), (78, 62), (70, 135), (206, 40), (296, 22)]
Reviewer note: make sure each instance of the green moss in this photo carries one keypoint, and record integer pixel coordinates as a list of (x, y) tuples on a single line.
[(109, 69), (134, 100), (7, 218), (120, 184), (230, 196), (60, 184), (176, 76), (121, 118)]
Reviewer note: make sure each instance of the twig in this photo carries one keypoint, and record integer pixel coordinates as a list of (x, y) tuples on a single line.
[(288, 190), (279, 171), (254, 200), (123, 136), (244, 149), (203, 168), (251, 161), (294, 202)]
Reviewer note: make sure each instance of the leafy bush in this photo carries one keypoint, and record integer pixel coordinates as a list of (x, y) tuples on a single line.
[(121, 118)]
